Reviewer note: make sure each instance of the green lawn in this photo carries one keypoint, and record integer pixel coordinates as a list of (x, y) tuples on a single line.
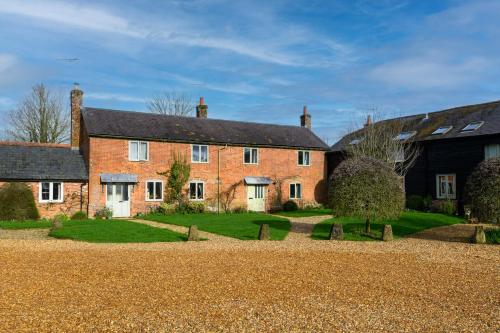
[(241, 226), (408, 223), (115, 231), (493, 236), (25, 224), (306, 212)]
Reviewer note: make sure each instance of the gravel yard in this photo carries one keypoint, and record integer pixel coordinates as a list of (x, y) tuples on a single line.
[(409, 285)]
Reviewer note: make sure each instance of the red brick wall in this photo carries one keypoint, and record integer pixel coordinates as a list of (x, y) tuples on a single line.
[(70, 205), (111, 156)]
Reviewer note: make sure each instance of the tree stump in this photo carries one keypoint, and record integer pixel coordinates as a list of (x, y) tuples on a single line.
[(193, 233), (479, 235), (264, 232), (336, 232), (387, 233)]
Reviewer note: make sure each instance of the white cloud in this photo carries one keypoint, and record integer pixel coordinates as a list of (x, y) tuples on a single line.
[(115, 97), (6, 61), (241, 88)]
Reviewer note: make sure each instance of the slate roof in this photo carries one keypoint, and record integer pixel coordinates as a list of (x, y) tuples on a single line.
[(129, 124), (458, 117), (23, 162)]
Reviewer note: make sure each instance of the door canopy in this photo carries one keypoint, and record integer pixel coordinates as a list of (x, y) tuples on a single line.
[(258, 180), (118, 178)]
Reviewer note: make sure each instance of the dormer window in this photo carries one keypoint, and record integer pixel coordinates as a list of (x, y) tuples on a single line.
[(356, 141), (442, 130), (472, 126), (405, 135)]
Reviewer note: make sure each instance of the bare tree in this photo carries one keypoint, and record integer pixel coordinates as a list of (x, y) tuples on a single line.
[(40, 117), (387, 141), (172, 103)]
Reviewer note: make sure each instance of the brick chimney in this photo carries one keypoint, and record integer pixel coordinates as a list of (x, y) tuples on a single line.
[(202, 109), (305, 118), (76, 104), (368, 121)]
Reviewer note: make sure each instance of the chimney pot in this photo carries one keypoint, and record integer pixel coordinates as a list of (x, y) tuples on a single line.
[(202, 109), (305, 118), (368, 120)]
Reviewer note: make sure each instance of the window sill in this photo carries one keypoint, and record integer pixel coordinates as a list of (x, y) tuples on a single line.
[(194, 162), (196, 199), (154, 200), (50, 201)]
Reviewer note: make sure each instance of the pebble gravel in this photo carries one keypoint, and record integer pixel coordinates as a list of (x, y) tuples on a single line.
[(409, 285)]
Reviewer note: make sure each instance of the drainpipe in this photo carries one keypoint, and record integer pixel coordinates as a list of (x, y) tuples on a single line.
[(218, 177)]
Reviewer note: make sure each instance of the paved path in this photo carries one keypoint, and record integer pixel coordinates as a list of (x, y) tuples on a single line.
[(302, 227), (184, 230)]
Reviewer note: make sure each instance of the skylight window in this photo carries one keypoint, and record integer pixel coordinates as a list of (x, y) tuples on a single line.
[(472, 126), (405, 135), (355, 141), (442, 130)]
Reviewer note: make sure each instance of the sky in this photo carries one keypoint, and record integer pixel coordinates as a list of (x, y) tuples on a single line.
[(257, 60)]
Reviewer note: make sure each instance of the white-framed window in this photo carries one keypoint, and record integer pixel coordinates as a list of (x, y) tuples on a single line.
[(250, 155), (304, 158), (259, 191), (51, 192), (491, 150), (403, 136), (446, 186), (199, 153), (154, 190), (295, 191), (472, 126), (138, 151), (196, 190)]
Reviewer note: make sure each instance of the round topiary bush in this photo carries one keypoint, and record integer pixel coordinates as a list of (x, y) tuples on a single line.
[(482, 191), (290, 206), (17, 202), (366, 188)]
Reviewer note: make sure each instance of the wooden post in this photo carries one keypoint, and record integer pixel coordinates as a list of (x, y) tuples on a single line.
[(193, 233), (387, 233), (336, 232), (264, 232)]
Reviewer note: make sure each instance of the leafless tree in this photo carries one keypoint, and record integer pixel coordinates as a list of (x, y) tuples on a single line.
[(387, 141), (40, 117), (172, 103)]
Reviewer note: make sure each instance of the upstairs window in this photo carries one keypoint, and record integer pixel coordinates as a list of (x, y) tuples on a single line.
[(250, 156), (295, 191), (472, 126), (196, 190), (51, 192), (304, 158), (405, 135), (491, 151), (199, 153), (446, 187), (138, 151), (442, 130), (154, 190)]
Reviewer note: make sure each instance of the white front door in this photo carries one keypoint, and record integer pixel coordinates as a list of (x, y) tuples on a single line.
[(256, 198), (118, 199)]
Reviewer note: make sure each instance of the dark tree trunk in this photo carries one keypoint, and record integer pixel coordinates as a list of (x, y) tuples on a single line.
[(368, 226)]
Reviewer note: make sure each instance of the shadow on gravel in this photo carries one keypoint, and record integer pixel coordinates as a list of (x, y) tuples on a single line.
[(461, 233)]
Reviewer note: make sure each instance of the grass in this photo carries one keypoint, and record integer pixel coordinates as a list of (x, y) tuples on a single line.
[(492, 235), (114, 231), (408, 223), (241, 226), (306, 212), (28, 224)]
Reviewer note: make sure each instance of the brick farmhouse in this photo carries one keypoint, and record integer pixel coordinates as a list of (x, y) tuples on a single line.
[(115, 159)]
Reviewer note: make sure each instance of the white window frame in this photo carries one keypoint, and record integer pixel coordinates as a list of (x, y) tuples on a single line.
[(138, 150), (154, 181), (487, 147), (196, 196), (303, 152), (251, 149), (479, 124), (199, 152), (438, 187), (290, 191), (51, 189)]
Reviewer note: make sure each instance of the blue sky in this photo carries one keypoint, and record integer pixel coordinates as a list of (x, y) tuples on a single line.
[(257, 60)]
